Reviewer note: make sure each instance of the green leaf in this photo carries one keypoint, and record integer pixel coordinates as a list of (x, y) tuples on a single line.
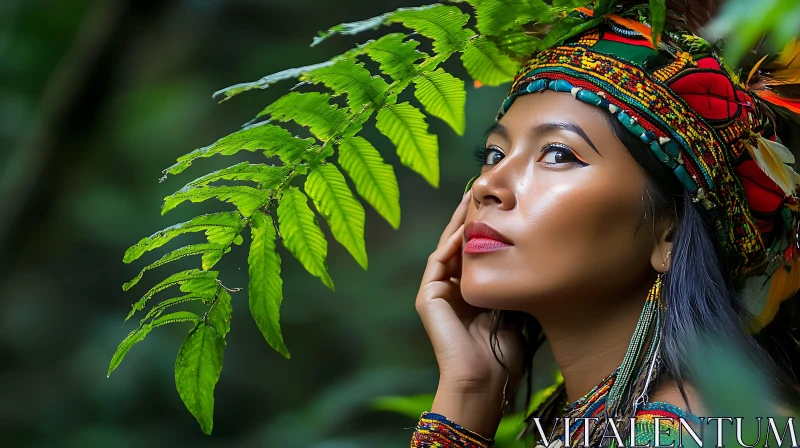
[(345, 215), (246, 199), (301, 234), (273, 140), (268, 176), (195, 249), (229, 92), (395, 56), (409, 406), (158, 309), (374, 180), (265, 289), (139, 334), (219, 315), (658, 17), (559, 31), (197, 371), (195, 281), (405, 126), (440, 23), (351, 78), (443, 96), (603, 7), (311, 109), (495, 16), (486, 63), (351, 28), (220, 228), (570, 4), (516, 43)]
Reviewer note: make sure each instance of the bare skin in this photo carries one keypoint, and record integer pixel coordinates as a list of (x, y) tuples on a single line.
[(566, 197)]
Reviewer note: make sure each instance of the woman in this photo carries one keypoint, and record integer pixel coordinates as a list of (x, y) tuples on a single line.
[(626, 207)]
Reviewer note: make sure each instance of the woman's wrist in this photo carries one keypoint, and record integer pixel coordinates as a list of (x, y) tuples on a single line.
[(477, 408)]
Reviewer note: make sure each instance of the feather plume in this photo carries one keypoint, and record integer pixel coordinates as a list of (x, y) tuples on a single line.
[(792, 104), (786, 68), (773, 158), (783, 285)]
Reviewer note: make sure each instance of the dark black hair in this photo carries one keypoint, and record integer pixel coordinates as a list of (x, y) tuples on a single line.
[(697, 292)]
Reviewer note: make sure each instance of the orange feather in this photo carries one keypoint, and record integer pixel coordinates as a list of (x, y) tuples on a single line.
[(771, 97), (633, 25)]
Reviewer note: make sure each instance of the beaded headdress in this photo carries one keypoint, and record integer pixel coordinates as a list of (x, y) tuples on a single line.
[(715, 130), (713, 127)]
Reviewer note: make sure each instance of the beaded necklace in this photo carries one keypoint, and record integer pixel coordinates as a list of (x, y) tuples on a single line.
[(590, 405)]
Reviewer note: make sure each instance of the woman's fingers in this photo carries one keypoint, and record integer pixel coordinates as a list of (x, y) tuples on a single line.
[(458, 217), (437, 268)]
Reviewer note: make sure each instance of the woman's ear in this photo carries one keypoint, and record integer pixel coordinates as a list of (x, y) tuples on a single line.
[(662, 249)]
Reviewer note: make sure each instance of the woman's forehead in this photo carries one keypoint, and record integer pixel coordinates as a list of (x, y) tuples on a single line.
[(533, 110)]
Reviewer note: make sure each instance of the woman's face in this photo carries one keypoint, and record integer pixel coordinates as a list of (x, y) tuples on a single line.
[(566, 197)]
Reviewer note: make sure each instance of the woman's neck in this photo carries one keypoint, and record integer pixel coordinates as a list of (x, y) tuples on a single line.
[(590, 344)]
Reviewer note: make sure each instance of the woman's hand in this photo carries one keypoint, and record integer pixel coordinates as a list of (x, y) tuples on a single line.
[(471, 380)]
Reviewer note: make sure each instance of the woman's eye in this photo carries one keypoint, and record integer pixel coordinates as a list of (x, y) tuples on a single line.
[(559, 154), (493, 156), (488, 156)]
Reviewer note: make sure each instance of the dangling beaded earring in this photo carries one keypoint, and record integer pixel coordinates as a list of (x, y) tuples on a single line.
[(641, 359)]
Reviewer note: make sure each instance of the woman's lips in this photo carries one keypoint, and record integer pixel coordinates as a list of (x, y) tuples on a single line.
[(479, 245), (481, 237)]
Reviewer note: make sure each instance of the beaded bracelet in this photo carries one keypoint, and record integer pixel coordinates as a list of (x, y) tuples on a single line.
[(436, 430)]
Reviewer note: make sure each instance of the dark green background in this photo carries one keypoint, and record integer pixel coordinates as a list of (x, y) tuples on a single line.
[(96, 99)]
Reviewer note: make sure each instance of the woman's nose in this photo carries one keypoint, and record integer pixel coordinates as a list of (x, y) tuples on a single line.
[(494, 188)]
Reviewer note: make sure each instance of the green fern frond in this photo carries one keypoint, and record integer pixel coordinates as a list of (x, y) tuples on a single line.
[(291, 73), (197, 371), (267, 176), (195, 281), (394, 55), (158, 309), (516, 43), (219, 314), (374, 179), (347, 77), (312, 110), (495, 16), (351, 28), (486, 63), (265, 290), (139, 334), (187, 251), (345, 215), (441, 23), (405, 126), (443, 96), (272, 140), (301, 234), (246, 199), (220, 228)]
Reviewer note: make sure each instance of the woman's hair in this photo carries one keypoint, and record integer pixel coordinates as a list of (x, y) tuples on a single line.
[(697, 291)]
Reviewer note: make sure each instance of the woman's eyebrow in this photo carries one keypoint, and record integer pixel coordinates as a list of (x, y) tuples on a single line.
[(574, 128), (497, 128)]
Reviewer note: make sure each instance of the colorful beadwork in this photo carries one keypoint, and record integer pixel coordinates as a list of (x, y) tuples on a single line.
[(679, 137), (436, 430), (713, 130)]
